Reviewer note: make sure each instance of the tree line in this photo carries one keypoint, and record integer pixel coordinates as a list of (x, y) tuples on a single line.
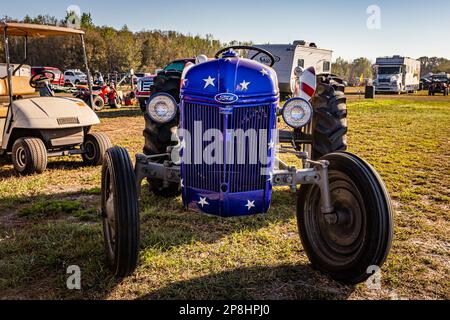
[(111, 50)]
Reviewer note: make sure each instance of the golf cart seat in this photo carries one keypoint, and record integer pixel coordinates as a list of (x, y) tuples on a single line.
[(21, 86)]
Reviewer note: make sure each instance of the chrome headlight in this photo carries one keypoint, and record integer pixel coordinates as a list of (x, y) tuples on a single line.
[(162, 108), (297, 112)]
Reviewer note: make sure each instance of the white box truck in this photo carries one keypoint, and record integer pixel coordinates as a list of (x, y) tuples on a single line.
[(397, 74), (289, 56)]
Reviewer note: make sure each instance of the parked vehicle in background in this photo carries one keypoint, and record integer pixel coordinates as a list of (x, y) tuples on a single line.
[(397, 74), (173, 71), (75, 76), (290, 56), (102, 95), (425, 83), (142, 90), (58, 79), (20, 70), (440, 83)]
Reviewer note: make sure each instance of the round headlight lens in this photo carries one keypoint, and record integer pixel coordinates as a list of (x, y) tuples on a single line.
[(297, 112), (162, 108)]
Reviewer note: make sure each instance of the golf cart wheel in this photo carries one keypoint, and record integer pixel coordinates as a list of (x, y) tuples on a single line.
[(29, 156), (330, 117), (361, 235), (120, 213), (99, 104), (95, 146)]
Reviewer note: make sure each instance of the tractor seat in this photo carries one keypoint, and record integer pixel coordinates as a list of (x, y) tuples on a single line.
[(21, 86)]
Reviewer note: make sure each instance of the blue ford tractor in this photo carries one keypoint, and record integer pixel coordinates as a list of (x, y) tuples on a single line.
[(216, 144)]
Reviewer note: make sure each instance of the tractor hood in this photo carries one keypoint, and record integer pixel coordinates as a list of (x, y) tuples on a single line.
[(52, 113), (230, 81)]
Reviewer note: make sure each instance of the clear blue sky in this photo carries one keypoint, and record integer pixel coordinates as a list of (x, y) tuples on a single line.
[(413, 28)]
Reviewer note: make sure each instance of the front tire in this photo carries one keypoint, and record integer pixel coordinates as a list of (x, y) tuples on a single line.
[(95, 146), (120, 212), (362, 235), (29, 156), (329, 124)]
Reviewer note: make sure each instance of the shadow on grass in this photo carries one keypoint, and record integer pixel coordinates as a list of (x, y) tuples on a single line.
[(53, 164), (117, 113), (286, 282), (53, 244)]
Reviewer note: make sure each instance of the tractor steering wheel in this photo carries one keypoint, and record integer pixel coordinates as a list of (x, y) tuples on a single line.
[(40, 77), (258, 52)]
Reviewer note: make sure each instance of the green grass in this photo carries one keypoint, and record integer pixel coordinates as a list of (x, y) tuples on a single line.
[(49, 221)]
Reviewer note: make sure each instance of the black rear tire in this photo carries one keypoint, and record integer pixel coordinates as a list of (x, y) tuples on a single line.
[(95, 146), (120, 212), (363, 234), (158, 137), (29, 156), (329, 124), (143, 104)]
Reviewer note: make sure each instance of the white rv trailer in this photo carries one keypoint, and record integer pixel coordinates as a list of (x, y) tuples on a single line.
[(397, 74), (289, 56), (23, 71)]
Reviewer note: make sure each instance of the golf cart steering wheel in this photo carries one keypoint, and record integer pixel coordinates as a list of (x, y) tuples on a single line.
[(258, 52), (40, 77)]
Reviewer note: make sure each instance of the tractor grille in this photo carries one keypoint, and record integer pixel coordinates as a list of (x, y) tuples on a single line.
[(145, 85), (240, 176), (384, 80), (248, 176)]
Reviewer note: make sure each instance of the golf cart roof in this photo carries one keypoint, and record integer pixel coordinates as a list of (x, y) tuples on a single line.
[(36, 30)]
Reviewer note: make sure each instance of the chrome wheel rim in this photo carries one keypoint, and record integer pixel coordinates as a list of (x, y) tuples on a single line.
[(21, 157)]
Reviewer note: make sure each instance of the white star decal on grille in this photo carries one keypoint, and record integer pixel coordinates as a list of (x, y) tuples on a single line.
[(209, 82), (250, 204), (244, 85), (271, 144), (203, 202), (264, 72)]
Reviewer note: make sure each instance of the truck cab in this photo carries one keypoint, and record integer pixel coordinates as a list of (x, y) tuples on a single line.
[(397, 75)]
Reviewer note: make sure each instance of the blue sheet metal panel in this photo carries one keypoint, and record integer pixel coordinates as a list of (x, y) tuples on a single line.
[(229, 94)]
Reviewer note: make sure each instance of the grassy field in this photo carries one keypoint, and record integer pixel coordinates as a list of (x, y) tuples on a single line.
[(50, 221)]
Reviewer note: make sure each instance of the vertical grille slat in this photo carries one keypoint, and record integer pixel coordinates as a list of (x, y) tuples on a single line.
[(239, 177)]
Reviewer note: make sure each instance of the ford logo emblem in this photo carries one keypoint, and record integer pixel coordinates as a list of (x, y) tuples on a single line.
[(226, 98)]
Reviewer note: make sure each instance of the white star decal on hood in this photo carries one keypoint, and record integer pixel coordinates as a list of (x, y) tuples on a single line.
[(209, 82)]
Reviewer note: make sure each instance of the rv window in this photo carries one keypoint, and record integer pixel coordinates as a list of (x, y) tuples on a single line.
[(389, 70), (326, 66), (301, 63)]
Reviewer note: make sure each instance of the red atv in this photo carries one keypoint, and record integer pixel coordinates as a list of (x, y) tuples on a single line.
[(102, 95)]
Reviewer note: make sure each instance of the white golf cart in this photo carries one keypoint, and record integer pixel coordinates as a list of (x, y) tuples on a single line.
[(37, 127)]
